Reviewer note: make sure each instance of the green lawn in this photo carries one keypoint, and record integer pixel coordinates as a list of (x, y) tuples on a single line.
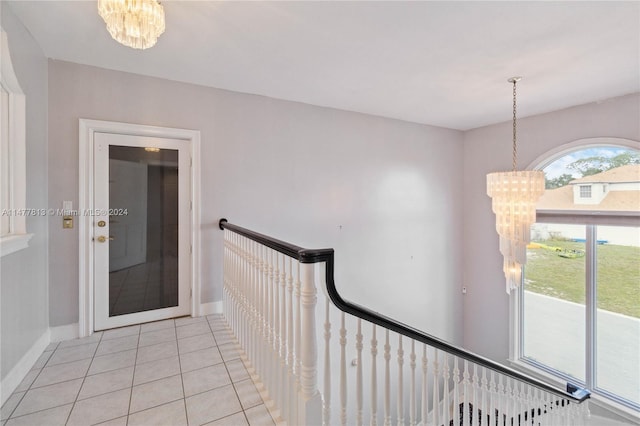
[(618, 275)]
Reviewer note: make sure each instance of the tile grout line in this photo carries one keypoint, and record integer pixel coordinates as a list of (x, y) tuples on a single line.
[(102, 339), (133, 375), (250, 378), (244, 413), (83, 379), (184, 395), (30, 385)]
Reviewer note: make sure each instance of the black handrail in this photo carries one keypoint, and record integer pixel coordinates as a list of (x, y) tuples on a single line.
[(572, 393)]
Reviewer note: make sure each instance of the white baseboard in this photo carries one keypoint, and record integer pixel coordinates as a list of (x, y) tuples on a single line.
[(211, 308), (17, 373), (64, 332)]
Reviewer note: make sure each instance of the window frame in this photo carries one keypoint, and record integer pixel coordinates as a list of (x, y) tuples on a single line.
[(585, 191), (17, 237), (517, 358), (516, 302)]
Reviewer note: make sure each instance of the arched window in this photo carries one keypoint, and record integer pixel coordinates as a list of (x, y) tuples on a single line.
[(579, 311), (13, 233)]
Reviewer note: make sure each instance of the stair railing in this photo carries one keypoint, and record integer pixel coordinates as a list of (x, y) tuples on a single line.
[(271, 304)]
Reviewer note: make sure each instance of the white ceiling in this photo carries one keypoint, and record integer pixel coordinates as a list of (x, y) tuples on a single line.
[(439, 63)]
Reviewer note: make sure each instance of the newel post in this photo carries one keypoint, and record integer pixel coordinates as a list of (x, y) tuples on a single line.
[(310, 412)]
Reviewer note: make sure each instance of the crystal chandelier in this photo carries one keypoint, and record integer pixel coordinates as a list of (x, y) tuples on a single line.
[(134, 23), (514, 196)]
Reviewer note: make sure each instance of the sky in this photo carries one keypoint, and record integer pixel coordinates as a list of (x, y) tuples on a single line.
[(559, 166)]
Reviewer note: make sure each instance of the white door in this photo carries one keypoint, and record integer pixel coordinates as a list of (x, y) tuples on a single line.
[(141, 229)]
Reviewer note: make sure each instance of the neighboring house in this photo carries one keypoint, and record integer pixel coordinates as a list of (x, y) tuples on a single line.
[(613, 190)]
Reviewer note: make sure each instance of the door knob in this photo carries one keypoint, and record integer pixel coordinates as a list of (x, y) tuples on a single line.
[(102, 238)]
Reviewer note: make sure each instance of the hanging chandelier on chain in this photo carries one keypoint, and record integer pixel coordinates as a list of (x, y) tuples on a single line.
[(514, 196)]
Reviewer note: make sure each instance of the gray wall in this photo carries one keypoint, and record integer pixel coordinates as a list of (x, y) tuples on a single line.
[(384, 193), (24, 302), (488, 149)]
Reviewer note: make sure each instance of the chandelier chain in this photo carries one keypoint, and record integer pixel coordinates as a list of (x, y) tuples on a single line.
[(515, 149)]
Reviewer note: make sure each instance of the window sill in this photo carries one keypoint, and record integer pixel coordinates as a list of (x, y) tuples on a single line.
[(13, 243), (597, 399)]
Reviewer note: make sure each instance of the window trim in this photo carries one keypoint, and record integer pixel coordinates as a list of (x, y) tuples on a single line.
[(592, 217), (591, 220), (17, 238)]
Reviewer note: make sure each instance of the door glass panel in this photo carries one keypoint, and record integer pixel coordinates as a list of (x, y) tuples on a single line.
[(618, 314), (143, 229), (554, 298)]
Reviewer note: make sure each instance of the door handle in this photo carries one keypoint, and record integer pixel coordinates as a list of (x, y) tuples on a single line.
[(102, 238)]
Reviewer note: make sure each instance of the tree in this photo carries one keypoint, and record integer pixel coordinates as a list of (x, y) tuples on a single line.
[(624, 158), (557, 182), (598, 164)]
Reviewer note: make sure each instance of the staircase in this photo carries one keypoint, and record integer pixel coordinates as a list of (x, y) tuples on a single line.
[(327, 361)]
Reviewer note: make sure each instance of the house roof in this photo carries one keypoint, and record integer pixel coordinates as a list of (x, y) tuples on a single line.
[(562, 199), (627, 200), (628, 173)]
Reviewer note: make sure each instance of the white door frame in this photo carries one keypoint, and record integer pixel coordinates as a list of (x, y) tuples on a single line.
[(85, 204)]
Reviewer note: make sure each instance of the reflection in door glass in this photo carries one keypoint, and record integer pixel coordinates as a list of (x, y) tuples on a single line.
[(143, 229)]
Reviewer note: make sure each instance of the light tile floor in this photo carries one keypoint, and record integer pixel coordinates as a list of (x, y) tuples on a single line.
[(185, 371)]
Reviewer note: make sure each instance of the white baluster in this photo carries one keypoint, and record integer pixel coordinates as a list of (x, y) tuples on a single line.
[(425, 386), (277, 339), (466, 394), (327, 366), (343, 371), (256, 277), (230, 276), (412, 386), (269, 373), (298, 321), (549, 418), (456, 391), (483, 396), (436, 389), (374, 379), (509, 393), (475, 382), (523, 409), (446, 376), (359, 390), (264, 284), (514, 400), (387, 381), (239, 319), (309, 369), (251, 272), (400, 402), (585, 413), (283, 338), (256, 273), (532, 403), (492, 399), (502, 406), (292, 387), (296, 344)]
